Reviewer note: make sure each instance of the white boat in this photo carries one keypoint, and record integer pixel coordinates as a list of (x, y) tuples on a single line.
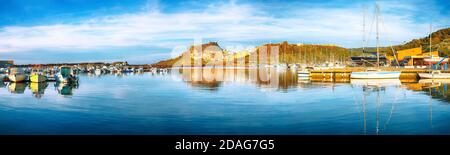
[(304, 72), (98, 71), (375, 74), (436, 74), (16, 75)]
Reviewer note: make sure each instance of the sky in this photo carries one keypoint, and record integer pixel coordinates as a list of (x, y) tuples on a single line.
[(147, 31)]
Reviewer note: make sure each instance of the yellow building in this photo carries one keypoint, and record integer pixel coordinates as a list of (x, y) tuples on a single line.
[(414, 56)]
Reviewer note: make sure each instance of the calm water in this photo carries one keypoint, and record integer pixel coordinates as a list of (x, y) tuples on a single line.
[(177, 103)]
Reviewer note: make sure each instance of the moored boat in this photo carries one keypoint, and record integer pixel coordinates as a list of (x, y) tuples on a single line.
[(375, 74), (66, 75), (16, 75), (304, 72), (37, 75), (436, 74)]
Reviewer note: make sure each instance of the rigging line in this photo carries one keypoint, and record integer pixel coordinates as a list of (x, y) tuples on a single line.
[(389, 40), (370, 31), (392, 109)]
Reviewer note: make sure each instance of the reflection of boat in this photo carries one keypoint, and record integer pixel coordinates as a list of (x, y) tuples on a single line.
[(436, 74), (37, 75), (375, 74), (377, 82), (17, 88), (66, 75), (65, 88), (38, 89), (16, 75)]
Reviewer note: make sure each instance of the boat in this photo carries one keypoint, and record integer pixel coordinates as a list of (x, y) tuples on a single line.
[(16, 75), (376, 73), (98, 71), (37, 75), (66, 75), (432, 60), (305, 72), (435, 74)]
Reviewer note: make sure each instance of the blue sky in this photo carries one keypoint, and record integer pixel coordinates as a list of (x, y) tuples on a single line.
[(146, 31)]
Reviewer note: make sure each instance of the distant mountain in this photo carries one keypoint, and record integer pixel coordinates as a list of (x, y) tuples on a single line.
[(288, 53)]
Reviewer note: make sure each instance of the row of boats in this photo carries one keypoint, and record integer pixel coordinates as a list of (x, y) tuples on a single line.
[(65, 74)]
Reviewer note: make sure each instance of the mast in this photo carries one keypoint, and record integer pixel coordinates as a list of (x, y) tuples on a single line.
[(364, 29), (430, 39), (377, 11)]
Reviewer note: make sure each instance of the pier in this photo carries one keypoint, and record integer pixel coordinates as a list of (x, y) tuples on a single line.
[(343, 74)]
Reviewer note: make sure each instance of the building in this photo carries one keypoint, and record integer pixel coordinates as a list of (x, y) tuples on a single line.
[(414, 56), (6, 63)]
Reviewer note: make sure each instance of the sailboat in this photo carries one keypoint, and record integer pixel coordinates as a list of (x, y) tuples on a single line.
[(376, 73)]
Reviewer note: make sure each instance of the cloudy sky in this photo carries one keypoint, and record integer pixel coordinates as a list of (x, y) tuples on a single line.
[(146, 31)]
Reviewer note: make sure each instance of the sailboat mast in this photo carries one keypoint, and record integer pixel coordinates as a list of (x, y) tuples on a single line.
[(377, 11), (364, 29), (430, 39)]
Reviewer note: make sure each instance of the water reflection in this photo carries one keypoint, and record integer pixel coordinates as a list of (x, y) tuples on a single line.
[(212, 79), (38, 89), (435, 88), (65, 89), (17, 88), (265, 78)]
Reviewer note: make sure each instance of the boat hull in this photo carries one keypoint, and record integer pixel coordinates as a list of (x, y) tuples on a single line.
[(434, 76), (16, 78), (375, 75), (38, 78), (303, 74)]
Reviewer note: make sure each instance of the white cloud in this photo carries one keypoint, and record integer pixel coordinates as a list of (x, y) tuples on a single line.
[(220, 21)]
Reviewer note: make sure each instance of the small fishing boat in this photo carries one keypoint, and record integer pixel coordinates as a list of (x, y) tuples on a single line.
[(66, 75), (16, 75), (37, 75), (375, 74), (435, 74)]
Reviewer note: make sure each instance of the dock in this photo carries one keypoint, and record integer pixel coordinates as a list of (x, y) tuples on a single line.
[(343, 74)]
